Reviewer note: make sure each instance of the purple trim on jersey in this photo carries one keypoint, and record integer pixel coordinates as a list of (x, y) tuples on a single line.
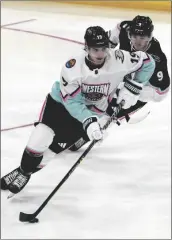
[(78, 90), (139, 69), (72, 94), (144, 61), (65, 97), (33, 151), (162, 92), (147, 59), (95, 109)]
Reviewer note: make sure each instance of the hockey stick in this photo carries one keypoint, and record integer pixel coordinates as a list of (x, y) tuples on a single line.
[(24, 217)]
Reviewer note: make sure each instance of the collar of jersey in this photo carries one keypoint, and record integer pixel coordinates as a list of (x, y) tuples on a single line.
[(91, 66)]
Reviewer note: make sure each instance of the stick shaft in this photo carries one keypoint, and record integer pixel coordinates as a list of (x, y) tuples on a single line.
[(76, 164)]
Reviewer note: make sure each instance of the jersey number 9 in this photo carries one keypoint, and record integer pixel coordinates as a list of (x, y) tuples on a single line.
[(160, 75)]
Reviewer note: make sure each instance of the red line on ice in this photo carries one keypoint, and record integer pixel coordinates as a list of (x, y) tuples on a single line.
[(43, 34), (40, 34), (15, 23)]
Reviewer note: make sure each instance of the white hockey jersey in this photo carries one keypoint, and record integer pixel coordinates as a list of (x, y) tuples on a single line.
[(86, 92)]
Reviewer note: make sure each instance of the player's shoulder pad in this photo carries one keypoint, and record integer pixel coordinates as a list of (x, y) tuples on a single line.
[(73, 64), (70, 63), (155, 40), (156, 44), (72, 68), (158, 54)]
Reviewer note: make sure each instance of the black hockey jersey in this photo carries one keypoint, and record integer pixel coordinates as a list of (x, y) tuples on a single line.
[(160, 79)]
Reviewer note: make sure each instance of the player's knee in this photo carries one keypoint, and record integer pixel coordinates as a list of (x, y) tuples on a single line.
[(41, 138)]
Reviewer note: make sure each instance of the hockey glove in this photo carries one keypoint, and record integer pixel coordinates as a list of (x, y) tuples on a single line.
[(129, 93), (92, 128)]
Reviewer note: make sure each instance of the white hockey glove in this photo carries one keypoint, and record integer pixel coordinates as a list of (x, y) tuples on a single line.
[(92, 128), (130, 93)]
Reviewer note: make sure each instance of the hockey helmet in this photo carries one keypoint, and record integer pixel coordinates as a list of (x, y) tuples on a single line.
[(142, 26), (96, 37)]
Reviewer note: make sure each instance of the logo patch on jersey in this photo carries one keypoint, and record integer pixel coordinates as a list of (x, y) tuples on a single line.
[(119, 55), (95, 92), (70, 63)]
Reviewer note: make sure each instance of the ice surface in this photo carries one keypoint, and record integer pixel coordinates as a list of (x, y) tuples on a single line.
[(123, 187)]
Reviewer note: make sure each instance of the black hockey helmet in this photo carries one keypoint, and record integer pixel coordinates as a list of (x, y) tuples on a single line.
[(142, 26), (96, 37)]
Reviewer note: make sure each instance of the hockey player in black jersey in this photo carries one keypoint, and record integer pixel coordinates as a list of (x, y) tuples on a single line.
[(137, 35)]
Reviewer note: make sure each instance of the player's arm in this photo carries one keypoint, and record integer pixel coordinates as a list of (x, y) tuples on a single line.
[(139, 68), (160, 80), (144, 73), (72, 97), (115, 32)]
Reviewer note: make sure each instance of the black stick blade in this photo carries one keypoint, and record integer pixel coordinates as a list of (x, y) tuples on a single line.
[(24, 217)]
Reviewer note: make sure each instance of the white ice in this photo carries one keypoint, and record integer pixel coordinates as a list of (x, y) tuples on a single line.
[(122, 189)]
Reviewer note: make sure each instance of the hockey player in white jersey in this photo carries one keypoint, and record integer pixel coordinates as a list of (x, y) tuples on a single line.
[(135, 35), (75, 106)]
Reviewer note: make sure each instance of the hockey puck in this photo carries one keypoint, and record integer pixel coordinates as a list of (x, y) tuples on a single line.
[(34, 220)]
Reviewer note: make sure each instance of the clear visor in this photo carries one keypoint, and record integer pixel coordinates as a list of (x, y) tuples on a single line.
[(97, 55), (140, 43)]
